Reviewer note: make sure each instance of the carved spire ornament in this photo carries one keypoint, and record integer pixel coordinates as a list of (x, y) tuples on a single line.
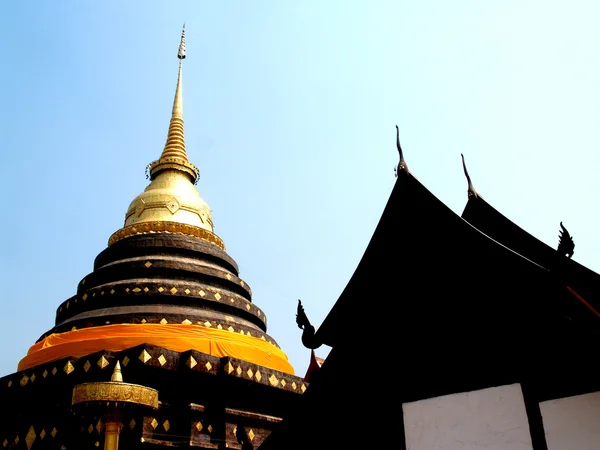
[(471, 192), (117, 376)]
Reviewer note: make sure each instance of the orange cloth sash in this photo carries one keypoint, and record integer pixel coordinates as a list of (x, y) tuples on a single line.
[(176, 337)]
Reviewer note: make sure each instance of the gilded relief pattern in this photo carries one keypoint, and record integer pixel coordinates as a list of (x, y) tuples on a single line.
[(115, 392)]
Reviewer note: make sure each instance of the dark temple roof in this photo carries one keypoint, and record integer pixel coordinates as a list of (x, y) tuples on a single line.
[(434, 307), (489, 220)]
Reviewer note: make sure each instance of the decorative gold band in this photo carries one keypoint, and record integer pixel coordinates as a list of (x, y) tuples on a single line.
[(115, 392), (166, 227), (173, 162)]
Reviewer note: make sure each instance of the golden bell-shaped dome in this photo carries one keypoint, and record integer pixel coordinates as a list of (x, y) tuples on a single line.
[(171, 197)]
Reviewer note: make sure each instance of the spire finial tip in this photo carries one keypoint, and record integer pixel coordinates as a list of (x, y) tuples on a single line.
[(181, 52)]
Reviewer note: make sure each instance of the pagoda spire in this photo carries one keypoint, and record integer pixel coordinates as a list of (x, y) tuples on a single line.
[(171, 202), (174, 155)]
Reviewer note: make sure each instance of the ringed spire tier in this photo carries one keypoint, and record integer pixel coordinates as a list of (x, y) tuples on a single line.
[(174, 155), (171, 203)]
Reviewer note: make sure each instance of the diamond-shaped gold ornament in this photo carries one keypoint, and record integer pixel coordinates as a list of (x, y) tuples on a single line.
[(90, 428), (87, 365), (208, 365), (303, 387), (54, 370), (249, 373), (166, 425), (218, 296), (258, 376), (99, 426), (238, 370), (207, 324), (187, 322), (229, 367), (273, 380), (162, 360), (147, 264), (17, 439), (132, 424), (42, 434), (24, 380), (173, 205), (102, 362), (30, 437), (154, 423), (145, 356), (163, 321), (251, 434), (173, 290), (209, 428), (191, 362), (199, 426), (68, 367), (45, 373), (125, 361), (294, 385), (5, 442), (32, 377), (53, 432)]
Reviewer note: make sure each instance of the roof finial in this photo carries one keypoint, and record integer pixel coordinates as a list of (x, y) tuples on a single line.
[(471, 190), (174, 155), (566, 245), (402, 164), (117, 376)]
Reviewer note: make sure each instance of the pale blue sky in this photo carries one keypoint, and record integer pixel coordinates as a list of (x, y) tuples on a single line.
[(290, 114)]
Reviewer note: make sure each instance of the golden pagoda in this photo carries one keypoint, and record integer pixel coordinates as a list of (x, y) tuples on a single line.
[(165, 305)]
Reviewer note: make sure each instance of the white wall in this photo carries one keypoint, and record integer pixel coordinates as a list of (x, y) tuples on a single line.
[(572, 423), (489, 419)]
